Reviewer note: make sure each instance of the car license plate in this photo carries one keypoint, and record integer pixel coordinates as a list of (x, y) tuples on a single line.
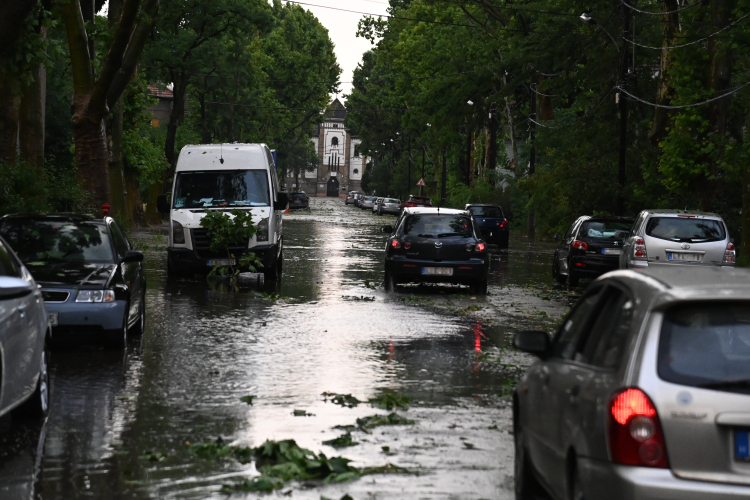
[(611, 251), (52, 319), (689, 257), (439, 271), (742, 445), (221, 262)]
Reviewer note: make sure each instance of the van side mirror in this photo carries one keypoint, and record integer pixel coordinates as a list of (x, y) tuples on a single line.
[(533, 342), (387, 229), (161, 204), (282, 200), (133, 256), (558, 236)]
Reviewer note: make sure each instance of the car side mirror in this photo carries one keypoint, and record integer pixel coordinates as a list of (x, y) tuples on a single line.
[(133, 256), (558, 236), (282, 200), (14, 287), (534, 342), (387, 229), (161, 204)]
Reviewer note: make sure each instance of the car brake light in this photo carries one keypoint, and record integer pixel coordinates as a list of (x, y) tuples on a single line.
[(480, 247), (730, 255), (395, 244), (504, 223), (640, 248), (407, 245), (635, 434), (580, 245)]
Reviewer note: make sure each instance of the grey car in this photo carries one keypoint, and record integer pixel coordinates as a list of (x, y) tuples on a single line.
[(24, 340), (660, 237), (389, 206), (367, 202), (643, 393)]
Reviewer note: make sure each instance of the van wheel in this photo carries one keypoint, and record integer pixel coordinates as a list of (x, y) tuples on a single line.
[(37, 406), (272, 273)]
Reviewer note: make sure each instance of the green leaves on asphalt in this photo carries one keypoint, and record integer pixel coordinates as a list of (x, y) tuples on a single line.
[(346, 400), (390, 400), (302, 413), (247, 399), (367, 423), (341, 441)]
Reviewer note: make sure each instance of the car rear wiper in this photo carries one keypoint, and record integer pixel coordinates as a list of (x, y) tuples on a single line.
[(726, 384), (424, 236), (445, 235)]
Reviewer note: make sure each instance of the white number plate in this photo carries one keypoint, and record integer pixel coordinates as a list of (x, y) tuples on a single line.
[(611, 251), (440, 271), (52, 318), (689, 257), (221, 262)]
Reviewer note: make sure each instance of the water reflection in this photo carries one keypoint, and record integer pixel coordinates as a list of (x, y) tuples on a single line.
[(21, 452)]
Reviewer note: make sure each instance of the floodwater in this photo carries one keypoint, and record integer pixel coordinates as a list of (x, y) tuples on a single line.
[(120, 424)]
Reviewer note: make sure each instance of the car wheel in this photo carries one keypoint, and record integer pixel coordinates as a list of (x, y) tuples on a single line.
[(556, 271), (140, 327), (118, 339), (526, 485), (479, 287), (37, 406), (273, 272), (390, 282), (572, 280)]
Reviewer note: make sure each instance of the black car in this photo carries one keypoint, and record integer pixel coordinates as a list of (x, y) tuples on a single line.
[(591, 247), (437, 245), (491, 223), (299, 200), (93, 282)]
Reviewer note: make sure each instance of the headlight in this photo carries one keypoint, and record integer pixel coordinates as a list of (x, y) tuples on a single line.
[(95, 296), (178, 234), (262, 234)]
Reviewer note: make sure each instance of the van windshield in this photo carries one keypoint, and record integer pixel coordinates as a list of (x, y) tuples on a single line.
[(222, 188)]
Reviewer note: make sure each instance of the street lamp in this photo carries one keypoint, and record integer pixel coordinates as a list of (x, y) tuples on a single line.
[(470, 103), (590, 20)]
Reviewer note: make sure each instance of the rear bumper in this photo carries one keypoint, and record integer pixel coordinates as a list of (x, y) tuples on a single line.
[(188, 260), (602, 479), (407, 270), (585, 266)]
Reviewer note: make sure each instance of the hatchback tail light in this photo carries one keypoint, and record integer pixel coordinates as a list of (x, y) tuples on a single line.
[(480, 247), (504, 223), (639, 248), (730, 255), (395, 244), (580, 245), (635, 434)]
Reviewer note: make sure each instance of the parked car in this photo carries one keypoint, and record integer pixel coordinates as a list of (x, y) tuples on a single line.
[(376, 204), (590, 248), (93, 282), (438, 245), (491, 223), (299, 200), (389, 206), (660, 237), (349, 200), (244, 178), (367, 202), (643, 393), (358, 198), (24, 340), (416, 201)]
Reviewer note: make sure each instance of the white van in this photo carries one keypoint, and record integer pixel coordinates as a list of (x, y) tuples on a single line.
[(224, 177)]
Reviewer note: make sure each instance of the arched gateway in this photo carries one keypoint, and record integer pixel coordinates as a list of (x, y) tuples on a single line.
[(333, 187)]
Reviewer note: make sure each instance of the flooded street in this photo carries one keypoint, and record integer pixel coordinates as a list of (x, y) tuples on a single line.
[(121, 425)]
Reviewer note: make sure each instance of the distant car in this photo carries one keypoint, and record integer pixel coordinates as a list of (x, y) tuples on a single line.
[(299, 200), (376, 204), (416, 201), (358, 198), (367, 202), (93, 282), (643, 393), (349, 200), (664, 237), (435, 245), (491, 223), (389, 206), (24, 340), (590, 248)]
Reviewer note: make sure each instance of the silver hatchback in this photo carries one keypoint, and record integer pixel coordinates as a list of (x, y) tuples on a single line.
[(644, 392), (389, 206), (661, 237)]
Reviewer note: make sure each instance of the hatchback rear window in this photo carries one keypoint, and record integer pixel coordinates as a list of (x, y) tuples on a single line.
[(604, 229), (299, 195), (493, 212), (390, 200), (707, 345), (437, 226), (687, 230)]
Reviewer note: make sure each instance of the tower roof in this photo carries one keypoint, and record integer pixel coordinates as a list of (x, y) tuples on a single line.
[(336, 111)]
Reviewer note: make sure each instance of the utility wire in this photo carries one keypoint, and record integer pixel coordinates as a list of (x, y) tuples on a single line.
[(660, 13), (722, 96), (691, 43)]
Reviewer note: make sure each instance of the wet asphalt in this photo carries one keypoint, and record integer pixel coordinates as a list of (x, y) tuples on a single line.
[(121, 424)]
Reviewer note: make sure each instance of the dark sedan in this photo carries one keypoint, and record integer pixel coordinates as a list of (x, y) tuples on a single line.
[(590, 248), (299, 200), (93, 283), (436, 245), (491, 223)]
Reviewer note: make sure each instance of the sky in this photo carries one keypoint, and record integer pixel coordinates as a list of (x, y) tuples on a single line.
[(342, 28)]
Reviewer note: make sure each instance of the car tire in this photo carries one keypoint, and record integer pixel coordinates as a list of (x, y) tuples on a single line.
[(572, 280), (479, 287), (390, 282), (140, 327), (37, 406), (556, 271), (273, 272), (118, 339), (526, 485)]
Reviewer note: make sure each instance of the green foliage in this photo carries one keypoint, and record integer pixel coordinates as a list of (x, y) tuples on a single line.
[(224, 232), (342, 441), (367, 423), (247, 399), (346, 400), (390, 400)]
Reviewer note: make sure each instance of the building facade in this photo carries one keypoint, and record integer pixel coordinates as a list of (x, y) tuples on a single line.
[(340, 164)]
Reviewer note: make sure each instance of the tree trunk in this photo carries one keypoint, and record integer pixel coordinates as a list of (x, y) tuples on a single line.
[(152, 216), (531, 220), (10, 103), (175, 120), (443, 194), (490, 151), (92, 156), (31, 124), (13, 15), (744, 252), (671, 28), (117, 183)]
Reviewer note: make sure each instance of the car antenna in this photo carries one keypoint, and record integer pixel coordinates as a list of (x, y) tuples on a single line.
[(221, 154)]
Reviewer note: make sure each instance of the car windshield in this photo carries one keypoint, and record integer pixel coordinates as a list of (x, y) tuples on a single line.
[(437, 226), (601, 229), (684, 229), (707, 345), (222, 188), (493, 212), (37, 242)]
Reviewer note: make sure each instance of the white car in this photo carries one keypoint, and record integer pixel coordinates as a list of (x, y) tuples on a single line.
[(24, 340), (376, 204)]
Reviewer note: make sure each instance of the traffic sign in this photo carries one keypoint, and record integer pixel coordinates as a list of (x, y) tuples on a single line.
[(421, 182)]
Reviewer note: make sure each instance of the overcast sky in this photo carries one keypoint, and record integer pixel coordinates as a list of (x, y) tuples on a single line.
[(342, 27)]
